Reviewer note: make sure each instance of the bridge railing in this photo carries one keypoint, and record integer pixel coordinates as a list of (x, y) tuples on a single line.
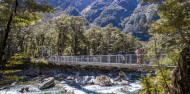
[(149, 59)]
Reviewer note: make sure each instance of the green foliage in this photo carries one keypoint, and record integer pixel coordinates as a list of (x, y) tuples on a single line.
[(17, 13), (174, 22), (67, 35), (170, 35), (27, 11), (109, 40), (41, 63), (9, 71), (21, 61), (166, 61), (8, 77), (7, 80), (155, 85)]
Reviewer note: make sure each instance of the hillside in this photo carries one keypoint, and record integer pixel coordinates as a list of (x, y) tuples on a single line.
[(128, 15)]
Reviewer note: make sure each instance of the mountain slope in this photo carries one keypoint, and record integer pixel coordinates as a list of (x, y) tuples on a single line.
[(128, 15)]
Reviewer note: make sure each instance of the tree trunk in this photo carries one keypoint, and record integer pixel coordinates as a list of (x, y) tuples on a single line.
[(180, 77), (7, 31)]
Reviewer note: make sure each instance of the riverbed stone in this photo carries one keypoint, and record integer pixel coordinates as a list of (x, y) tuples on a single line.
[(125, 89), (103, 80), (85, 80), (47, 83), (24, 90), (70, 78), (13, 84)]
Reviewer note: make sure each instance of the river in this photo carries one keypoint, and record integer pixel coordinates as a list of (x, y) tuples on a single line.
[(62, 87)]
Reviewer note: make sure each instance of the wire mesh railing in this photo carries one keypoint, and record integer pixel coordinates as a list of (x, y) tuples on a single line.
[(148, 59)]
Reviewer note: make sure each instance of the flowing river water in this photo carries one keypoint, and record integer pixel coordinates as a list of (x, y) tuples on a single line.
[(61, 87)]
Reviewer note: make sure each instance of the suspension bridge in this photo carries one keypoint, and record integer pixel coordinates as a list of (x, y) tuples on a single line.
[(122, 61)]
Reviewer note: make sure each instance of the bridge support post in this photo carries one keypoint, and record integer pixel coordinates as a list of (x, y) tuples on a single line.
[(88, 59), (108, 58), (130, 59), (166, 60), (72, 59), (100, 59), (80, 58), (116, 59)]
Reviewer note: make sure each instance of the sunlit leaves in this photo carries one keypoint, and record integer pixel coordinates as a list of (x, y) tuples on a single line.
[(28, 11), (174, 21), (26, 18), (39, 6)]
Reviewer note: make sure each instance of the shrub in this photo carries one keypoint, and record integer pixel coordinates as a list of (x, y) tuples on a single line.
[(156, 84)]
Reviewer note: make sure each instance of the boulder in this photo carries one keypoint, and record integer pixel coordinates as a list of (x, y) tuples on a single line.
[(32, 71), (88, 79), (71, 82), (70, 78), (62, 75), (103, 81), (13, 84), (47, 83), (85, 80), (122, 75), (118, 79), (70, 92), (63, 82), (126, 89), (24, 90), (124, 82)]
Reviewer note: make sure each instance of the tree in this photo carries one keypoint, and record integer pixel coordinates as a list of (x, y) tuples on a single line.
[(19, 12), (76, 34), (70, 30), (109, 40), (62, 27), (93, 41), (174, 22)]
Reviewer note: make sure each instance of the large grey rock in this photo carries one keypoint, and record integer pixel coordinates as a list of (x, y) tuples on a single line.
[(122, 82), (71, 82), (88, 79), (103, 80), (70, 78), (24, 90), (47, 83), (32, 71), (85, 80)]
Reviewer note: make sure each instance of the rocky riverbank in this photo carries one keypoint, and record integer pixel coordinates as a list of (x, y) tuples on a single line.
[(73, 80)]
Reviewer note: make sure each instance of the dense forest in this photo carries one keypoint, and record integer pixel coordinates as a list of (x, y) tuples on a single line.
[(27, 27)]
